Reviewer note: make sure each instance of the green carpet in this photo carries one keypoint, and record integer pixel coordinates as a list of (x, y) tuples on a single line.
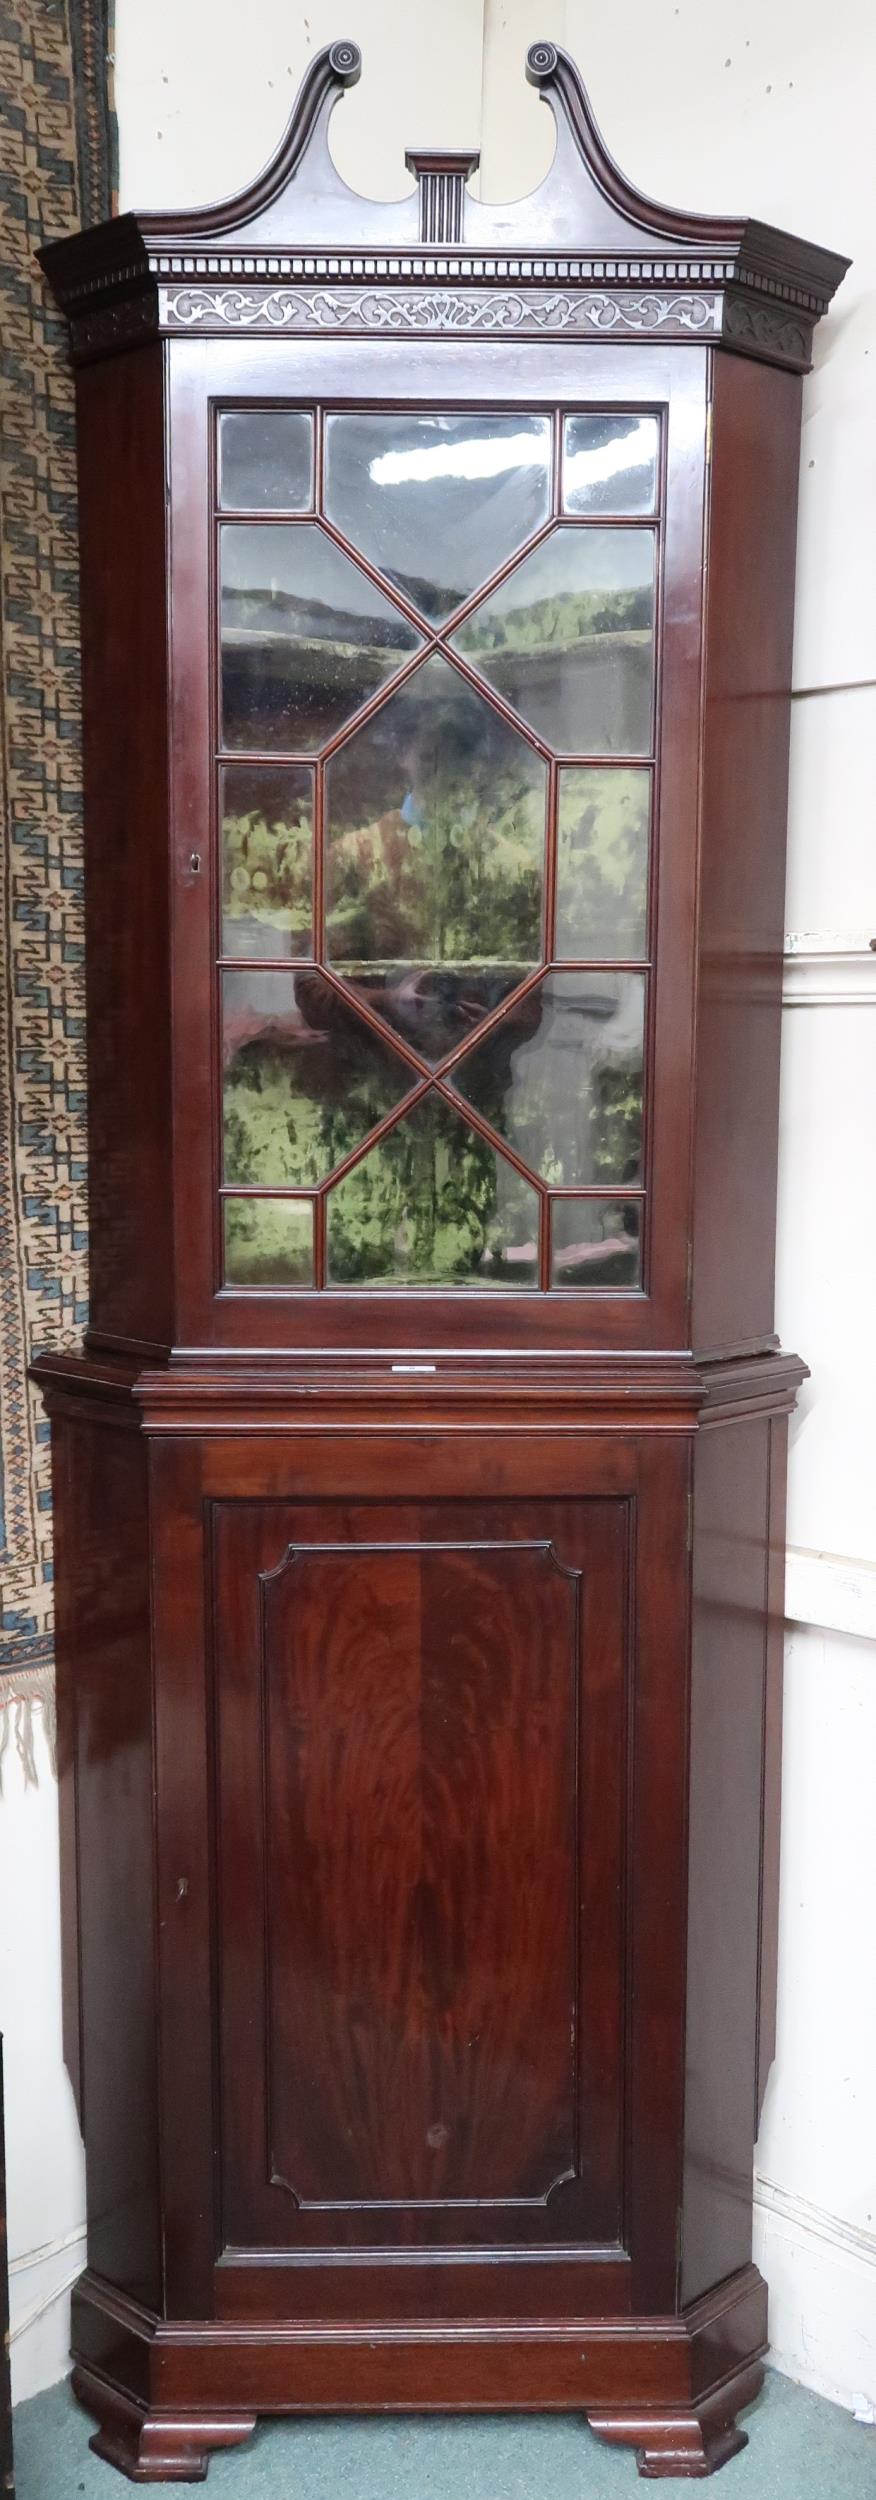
[(797, 2445)]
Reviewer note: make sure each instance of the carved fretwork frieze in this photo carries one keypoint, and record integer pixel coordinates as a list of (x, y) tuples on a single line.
[(491, 313)]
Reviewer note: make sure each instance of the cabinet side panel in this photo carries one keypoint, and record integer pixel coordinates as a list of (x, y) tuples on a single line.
[(772, 1761), (124, 697), (750, 604), (105, 1672), (64, 1446), (728, 1698)]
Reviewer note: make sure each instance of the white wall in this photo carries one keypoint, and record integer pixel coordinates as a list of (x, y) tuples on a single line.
[(45, 2169), (711, 104)]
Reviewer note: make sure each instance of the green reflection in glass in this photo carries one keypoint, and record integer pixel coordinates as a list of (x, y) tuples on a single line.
[(595, 1243), (568, 639), (560, 1078), (267, 859), (602, 861), (305, 1080), (306, 637), (437, 502), (268, 1241), (435, 858), (266, 460), (610, 463), (433, 1204)]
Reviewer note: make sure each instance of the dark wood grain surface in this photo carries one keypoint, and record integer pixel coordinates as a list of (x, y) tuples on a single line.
[(123, 600), (746, 736), (430, 1949), (419, 1707), (105, 1675)]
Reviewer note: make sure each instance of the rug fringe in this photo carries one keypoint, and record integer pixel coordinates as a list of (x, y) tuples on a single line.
[(33, 1689)]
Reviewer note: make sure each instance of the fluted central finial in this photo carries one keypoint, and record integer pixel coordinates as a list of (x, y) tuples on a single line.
[(442, 174)]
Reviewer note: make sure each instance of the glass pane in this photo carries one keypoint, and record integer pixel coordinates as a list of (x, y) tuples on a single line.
[(610, 463), (305, 1080), (433, 1204), (438, 503), (602, 861), (560, 1078), (435, 859), (595, 1242), (267, 860), (306, 637), (266, 461), (268, 1241), (568, 640)]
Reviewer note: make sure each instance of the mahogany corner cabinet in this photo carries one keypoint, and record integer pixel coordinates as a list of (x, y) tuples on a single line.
[(419, 1488)]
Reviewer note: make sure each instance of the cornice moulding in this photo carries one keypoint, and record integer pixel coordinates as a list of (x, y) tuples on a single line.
[(439, 260)]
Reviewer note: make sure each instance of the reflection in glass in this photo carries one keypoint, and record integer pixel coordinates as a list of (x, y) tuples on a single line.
[(602, 860), (267, 859), (433, 1204), (306, 637), (266, 460), (595, 1242), (560, 1078), (433, 1007), (435, 859), (568, 640), (304, 1079), (268, 1241), (437, 503), (610, 463)]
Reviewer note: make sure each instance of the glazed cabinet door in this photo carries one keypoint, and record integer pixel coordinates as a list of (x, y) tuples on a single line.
[(436, 787), (421, 1785)]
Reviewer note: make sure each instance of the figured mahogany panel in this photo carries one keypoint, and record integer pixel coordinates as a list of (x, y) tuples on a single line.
[(421, 1767), (420, 1810)]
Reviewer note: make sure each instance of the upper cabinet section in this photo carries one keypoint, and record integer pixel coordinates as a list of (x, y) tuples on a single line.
[(585, 255)]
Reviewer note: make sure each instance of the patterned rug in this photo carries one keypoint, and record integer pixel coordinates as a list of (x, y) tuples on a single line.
[(56, 173)]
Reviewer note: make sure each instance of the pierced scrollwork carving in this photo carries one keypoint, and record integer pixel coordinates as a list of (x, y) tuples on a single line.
[(440, 309)]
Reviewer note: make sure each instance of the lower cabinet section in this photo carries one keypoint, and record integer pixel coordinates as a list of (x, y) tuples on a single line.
[(393, 1758)]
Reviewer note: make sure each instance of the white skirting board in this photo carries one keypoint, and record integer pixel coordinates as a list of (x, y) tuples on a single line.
[(833, 1592), (821, 2273)]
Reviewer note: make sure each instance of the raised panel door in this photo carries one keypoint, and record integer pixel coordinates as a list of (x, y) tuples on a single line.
[(421, 1791)]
